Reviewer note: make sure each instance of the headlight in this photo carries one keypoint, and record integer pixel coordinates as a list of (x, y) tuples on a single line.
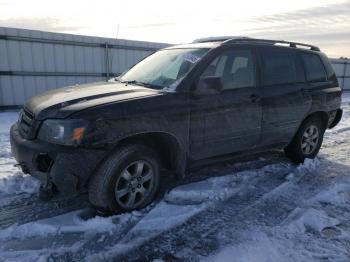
[(64, 132)]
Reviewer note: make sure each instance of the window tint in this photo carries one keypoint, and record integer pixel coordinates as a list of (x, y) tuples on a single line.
[(278, 67), (314, 67), (235, 68)]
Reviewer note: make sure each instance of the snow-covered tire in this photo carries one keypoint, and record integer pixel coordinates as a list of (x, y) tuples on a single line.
[(122, 178), (307, 141)]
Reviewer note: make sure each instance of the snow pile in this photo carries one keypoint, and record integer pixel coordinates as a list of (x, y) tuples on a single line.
[(19, 183), (34, 229), (308, 166), (12, 181), (216, 188), (260, 248), (302, 220), (68, 223), (338, 194), (33, 256)]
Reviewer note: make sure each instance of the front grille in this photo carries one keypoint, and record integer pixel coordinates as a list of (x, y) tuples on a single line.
[(26, 123)]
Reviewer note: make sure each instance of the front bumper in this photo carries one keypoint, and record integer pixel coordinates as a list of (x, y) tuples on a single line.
[(68, 168)]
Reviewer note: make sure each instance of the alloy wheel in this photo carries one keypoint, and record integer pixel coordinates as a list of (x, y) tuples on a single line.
[(309, 139), (134, 184)]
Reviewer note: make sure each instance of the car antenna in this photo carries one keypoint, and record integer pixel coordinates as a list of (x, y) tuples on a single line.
[(116, 38)]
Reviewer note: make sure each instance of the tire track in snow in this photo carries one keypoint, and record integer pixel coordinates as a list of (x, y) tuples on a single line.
[(92, 246), (23, 208), (205, 226), (267, 202)]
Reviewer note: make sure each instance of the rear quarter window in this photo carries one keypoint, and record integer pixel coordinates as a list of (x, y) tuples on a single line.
[(315, 71), (329, 69)]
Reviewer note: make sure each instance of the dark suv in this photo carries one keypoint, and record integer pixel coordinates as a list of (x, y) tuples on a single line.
[(179, 105)]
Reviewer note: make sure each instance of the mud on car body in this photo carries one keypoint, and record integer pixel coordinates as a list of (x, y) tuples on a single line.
[(178, 106)]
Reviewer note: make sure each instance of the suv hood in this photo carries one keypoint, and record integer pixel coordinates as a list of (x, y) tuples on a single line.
[(61, 102)]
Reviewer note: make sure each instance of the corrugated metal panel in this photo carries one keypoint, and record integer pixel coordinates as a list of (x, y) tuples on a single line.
[(342, 70), (35, 61)]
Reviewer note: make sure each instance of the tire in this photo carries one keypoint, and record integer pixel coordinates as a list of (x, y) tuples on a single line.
[(127, 180), (304, 144)]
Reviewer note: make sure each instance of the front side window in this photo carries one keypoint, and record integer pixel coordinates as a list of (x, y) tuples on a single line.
[(314, 67), (278, 67), (235, 68), (165, 67)]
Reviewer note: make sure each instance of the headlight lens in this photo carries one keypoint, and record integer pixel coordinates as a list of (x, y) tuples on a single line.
[(64, 132)]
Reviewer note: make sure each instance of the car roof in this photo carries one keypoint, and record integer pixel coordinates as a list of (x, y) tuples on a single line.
[(212, 42), (195, 45)]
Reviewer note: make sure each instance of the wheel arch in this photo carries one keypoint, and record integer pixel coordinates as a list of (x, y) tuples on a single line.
[(322, 115), (170, 151)]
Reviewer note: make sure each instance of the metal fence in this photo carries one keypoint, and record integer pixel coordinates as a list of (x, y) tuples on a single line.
[(34, 61), (342, 70)]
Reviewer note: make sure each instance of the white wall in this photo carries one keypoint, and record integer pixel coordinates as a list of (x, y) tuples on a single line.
[(34, 61), (342, 70)]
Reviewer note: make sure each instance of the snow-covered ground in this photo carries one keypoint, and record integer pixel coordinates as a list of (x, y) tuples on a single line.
[(260, 208)]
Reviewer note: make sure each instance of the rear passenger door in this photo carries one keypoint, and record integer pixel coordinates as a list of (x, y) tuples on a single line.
[(285, 97)]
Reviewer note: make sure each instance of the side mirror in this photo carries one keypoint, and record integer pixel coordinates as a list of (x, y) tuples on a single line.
[(209, 85)]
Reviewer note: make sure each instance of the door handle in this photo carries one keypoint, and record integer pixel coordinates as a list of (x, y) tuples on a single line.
[(254, 98)]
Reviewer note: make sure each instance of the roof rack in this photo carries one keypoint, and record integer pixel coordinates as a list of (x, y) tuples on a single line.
[(217, 39), (272, 42)]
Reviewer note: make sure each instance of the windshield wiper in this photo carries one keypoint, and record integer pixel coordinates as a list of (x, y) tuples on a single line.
[(134, 82)]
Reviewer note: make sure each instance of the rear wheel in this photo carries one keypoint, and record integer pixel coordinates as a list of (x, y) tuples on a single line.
[(127, 180), (307, 141)]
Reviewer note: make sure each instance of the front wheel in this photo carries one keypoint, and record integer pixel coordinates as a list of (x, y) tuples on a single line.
[(307, 141), (127, 180)]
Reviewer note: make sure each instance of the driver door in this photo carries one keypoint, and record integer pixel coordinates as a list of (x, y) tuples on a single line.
[(229, 119)]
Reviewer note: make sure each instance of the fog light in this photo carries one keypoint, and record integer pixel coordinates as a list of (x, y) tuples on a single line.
[(43, 162)]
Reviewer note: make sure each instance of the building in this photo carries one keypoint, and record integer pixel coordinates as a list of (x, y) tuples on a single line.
[(33, 61), (342, 70)]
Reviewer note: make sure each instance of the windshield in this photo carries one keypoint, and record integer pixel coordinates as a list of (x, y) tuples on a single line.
[(164, 68)]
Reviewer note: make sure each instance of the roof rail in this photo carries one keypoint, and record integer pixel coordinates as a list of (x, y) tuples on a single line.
[(217, 39), (272, 42)]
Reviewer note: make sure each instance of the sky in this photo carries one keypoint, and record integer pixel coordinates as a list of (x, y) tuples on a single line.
[(323, 23)]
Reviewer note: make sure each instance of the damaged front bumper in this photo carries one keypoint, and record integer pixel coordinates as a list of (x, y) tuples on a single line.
[(67, 167)]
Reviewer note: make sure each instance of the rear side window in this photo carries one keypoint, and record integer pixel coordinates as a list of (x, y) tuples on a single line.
[(278, 67), (314, 67), (328, 66)]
